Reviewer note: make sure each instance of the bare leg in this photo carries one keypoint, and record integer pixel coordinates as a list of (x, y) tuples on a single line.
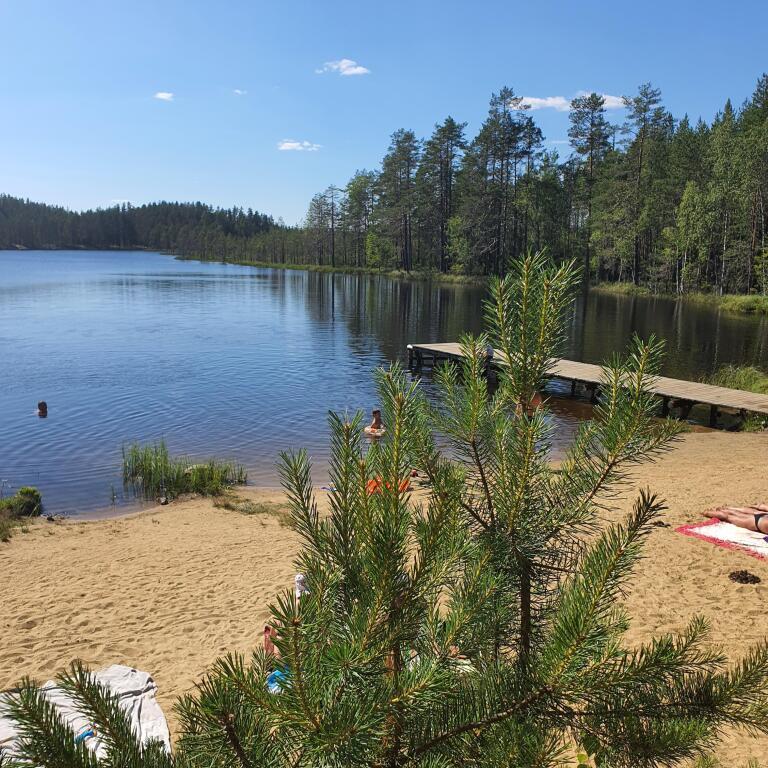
[(270, 633), (743, 517)]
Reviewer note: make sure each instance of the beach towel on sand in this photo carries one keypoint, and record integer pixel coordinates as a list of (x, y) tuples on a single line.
[(729, 536), (136, 691)]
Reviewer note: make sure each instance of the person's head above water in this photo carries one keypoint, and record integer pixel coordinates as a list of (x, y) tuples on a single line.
[(42, 409), (376, 414)]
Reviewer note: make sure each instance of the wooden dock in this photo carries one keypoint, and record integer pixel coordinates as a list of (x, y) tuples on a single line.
[(672, 392)]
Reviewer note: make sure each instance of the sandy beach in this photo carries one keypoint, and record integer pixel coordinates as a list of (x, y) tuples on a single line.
[(170, 589)]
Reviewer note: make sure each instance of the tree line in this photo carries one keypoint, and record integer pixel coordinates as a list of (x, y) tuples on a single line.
[(670, 204), (186, 228), (655, 201)]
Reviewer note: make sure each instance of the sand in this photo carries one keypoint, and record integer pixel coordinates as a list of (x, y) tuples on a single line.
[(170, 589)]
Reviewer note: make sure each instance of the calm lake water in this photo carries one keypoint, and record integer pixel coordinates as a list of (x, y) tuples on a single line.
[(242, 363)]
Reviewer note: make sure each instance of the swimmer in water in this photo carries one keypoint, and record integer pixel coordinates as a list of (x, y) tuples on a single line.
[(42, 409), (376, 428)]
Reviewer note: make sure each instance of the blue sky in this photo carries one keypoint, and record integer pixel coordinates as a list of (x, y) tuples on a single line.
[(105, 101)]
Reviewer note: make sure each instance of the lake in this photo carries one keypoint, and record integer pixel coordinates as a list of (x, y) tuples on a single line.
[(237, 362)]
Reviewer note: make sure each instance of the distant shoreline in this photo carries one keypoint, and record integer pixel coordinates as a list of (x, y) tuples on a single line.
[(742, 304), (735, 303)]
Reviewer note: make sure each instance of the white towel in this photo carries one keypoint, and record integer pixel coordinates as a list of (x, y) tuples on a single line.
[(136, 691)]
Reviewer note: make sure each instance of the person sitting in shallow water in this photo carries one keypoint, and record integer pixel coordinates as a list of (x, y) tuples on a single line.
[(752, 518), (376, 428)]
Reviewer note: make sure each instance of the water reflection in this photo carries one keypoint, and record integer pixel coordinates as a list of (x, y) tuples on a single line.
[(242, 363)]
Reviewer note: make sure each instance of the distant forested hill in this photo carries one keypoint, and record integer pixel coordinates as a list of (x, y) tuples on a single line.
[(177, 227)]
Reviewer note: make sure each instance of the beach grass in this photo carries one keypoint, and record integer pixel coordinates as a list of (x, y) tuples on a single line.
[(150, 472), (750, 379), (234, 503)]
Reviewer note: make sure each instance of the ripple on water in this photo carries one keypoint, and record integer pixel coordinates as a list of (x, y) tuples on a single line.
[(243, 363)]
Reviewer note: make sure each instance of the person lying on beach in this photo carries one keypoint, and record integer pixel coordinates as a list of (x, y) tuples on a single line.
[(751, 518), (376, 428)]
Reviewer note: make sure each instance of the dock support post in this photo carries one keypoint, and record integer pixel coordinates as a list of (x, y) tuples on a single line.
[(713, 411), (665, 407), (410, 357), (573, 388)]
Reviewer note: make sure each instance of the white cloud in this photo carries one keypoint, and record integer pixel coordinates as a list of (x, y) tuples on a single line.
[(561, 104), (558, 141), (344, 67), (291, 145), (239, 92), (611, 102), (164, 96)]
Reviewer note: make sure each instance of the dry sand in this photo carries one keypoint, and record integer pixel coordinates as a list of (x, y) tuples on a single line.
[(170, 589)]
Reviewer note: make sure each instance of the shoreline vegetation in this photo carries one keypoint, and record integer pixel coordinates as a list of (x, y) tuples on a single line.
[(749, 304), (667, 203), (17, 510), (737, 303), (150, 472), (746, 304)]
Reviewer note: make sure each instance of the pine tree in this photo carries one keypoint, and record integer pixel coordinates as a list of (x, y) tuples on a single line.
[(398, 192), (477, 624), (590, 135), (436, 182)]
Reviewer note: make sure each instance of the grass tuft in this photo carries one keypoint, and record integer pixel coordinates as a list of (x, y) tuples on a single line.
[(6, 529), (745, 377), (25, 503), (247, 507), (150, 472), (749, 379)]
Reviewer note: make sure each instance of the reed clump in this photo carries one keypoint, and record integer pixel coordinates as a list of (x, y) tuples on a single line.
[(150, 472)]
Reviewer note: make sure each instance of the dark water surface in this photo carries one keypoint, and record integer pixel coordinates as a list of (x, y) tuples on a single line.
[(241, 363)]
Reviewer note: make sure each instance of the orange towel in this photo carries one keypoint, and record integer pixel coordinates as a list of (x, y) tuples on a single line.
[(376, 484)]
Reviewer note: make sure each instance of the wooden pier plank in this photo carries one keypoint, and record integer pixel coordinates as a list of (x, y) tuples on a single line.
[(663, 386)]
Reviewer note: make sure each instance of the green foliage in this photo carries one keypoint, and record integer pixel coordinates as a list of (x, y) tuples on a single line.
[(47, 741), (26, 502), (151, 472), (745, 377), (750, 379), (6, 529), (752, 304), (480, 624)]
